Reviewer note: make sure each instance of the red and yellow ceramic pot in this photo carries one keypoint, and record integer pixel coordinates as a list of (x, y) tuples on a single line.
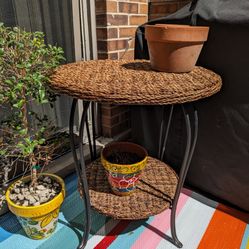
[(40, 221), (123, 178)]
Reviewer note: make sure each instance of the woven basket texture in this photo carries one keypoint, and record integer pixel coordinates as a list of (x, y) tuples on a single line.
[(154, 192), (133, 82)]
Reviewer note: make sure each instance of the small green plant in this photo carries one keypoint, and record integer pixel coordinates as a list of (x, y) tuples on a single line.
[(26, 63)]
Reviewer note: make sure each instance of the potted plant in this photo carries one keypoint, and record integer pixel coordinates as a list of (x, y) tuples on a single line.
[(124, 163), (26, 63)]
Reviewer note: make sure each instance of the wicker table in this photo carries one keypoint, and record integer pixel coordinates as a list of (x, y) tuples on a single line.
[(130, 82)]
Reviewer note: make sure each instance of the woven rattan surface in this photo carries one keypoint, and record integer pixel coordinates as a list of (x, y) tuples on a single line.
[(132, 82), (154, 192)]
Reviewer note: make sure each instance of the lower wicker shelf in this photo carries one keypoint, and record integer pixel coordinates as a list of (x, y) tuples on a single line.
[(153, 195)]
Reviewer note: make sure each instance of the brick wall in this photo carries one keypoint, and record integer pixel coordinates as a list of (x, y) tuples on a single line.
[(161, 8), (117, 21)]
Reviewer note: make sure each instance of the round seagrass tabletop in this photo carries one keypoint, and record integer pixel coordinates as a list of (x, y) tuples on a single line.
[(132, 82), (154, 193)]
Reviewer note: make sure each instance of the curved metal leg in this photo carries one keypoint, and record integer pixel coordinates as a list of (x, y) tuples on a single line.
[(161, 134), (167, 132), (89, 138), (94, 132), (196, 121), (190, 146), (71, 133), (80, 168)]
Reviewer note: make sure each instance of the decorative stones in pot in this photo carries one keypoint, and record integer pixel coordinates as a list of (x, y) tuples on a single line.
[(38, 221), (175, 48), (124, 163)]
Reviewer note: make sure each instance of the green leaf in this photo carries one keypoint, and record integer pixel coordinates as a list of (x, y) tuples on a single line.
[(23, 132), (42, 93), (8, 82), (41, 141), (19, 104)]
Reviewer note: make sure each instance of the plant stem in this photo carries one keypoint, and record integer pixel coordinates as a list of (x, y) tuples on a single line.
[(33, 176), (24, 112), (32, 160)]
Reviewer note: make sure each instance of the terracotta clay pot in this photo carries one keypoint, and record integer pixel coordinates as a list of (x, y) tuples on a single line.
[(175, 48)]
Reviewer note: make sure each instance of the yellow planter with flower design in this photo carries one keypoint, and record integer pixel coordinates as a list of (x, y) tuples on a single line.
[(40, 221), (124, 177)]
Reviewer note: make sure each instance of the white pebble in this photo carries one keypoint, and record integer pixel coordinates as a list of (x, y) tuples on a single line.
[(31, 199), (13, 197), (44, 199), (40, 187), (20, 197), (17, 190), (25, 204)]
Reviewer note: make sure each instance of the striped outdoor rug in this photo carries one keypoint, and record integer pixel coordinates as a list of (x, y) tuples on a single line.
[(201, 224)]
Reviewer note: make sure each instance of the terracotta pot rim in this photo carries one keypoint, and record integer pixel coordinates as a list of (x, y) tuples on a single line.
[(176, 33), (178, 27)]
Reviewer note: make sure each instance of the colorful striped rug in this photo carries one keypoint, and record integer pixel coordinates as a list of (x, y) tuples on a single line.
[(201, 223)]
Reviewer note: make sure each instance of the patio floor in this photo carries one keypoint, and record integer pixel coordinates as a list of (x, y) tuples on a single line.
[(201, 223)]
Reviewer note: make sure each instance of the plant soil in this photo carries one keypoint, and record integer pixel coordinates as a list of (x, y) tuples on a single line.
[(124, 158), (24, 195)]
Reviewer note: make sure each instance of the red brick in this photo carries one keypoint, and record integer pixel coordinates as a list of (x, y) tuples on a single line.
[(110, 121), (105, 55), (128, 8), (102, 56), (115, 45), (101, 20), (137, 20), (100, 7), (117, 19), (113, 56), (102, 46), (105, 6), (143, 9), (127, 32), (116, 119), (110, 110), (117, 129), (111, 6), (106, 33)]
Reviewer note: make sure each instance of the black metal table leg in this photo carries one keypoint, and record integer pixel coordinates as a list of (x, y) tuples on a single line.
[(80, 167), (189, 150), (162, 146), (89, 139), (94, 131), (190, 147)]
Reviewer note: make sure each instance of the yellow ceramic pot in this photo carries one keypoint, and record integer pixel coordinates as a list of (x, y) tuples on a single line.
[(123, 178), (38, 221)]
